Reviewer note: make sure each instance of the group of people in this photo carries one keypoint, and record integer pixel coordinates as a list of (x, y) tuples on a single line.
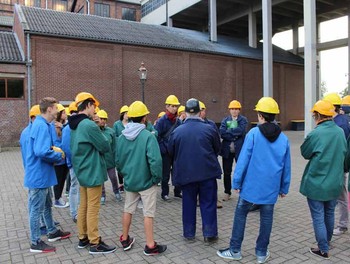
[(182, 145)]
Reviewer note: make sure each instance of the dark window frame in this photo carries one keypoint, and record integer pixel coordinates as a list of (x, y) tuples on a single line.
[(6, 89), (128, 12), (101, 9)]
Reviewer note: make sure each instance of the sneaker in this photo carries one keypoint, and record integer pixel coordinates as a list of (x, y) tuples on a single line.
[(118, 197), (157, 249), (218, 204), (339, 231), (166, 198), (228, 254), (42, 247), (60, 203), (103, 200), (75, 219), (83, 243), (101, 248), (59, 234), (140, 204), (66, 193), (263, 259), (127, 244), (178, 195), (226, 197), (319, 253), (121, 188), (212, 239)]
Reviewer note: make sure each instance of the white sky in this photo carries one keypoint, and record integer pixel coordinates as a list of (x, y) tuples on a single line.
[(333, 63)]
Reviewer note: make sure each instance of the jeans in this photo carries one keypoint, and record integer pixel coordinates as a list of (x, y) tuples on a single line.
[(322, 213), (88, 215), (266, 219), (207, 193), (113, 177), (342, 204), (227, 168), (39, 204), (73, 193)]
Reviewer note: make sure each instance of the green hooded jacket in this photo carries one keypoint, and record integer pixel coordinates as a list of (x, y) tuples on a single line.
[(110, 156), (138, 158), (88, 146), (325, 148)]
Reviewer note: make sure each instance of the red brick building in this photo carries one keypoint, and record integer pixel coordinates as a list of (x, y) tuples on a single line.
[(70, 53)]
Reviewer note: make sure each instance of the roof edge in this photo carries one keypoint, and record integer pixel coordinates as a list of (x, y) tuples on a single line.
[(21, 17)]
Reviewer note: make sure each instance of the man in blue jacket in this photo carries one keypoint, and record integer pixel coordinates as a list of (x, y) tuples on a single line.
[(232, 130), (199, 140), (262, 174), (40, 176)]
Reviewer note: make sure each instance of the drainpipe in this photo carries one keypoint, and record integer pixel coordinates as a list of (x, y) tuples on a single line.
[(29, 73), (88, 7), (46, 4)]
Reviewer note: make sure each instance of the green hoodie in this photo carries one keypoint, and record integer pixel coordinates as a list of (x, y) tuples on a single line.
[(325, 148), (88, 146), (138, 158)]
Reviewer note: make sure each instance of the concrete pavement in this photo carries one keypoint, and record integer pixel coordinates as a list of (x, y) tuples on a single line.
[(292, 232)]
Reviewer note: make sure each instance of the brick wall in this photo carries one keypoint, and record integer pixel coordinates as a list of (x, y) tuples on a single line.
[(62, 68)]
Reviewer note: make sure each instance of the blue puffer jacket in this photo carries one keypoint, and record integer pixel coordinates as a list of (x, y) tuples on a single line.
[(194, 147), (163, 126), (235, 135), (39, 172)]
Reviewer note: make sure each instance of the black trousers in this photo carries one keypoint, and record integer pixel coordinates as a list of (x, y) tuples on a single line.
[(227, 164), (61, 175)]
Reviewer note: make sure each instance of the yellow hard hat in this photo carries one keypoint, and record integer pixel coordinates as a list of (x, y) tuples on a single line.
[(345, 100), (124, 108), (102, 114), (34, 111), (97, 109), (324, 107), (172, 100), (137, 109), (161, 114), (81, 97), (234, 104), (201, 105), (72, 107), (60, 107), (334, 98), (180, 109), (66, 109), (267, 105)]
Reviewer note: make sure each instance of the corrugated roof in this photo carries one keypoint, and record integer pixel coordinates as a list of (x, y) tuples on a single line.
[(72, 25), (9, 50)]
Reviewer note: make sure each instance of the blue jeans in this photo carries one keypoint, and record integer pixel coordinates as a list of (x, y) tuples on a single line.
[(207, 193), (39, 203), (73, 193), (266, 219), (322, 213)]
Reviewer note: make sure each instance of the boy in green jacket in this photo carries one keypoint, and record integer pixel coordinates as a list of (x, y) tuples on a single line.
[(87, 147), (139, 161), (325, 148)]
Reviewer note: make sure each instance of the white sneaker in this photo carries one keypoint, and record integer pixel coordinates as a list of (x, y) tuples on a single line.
[(60, 203), (339, 231)]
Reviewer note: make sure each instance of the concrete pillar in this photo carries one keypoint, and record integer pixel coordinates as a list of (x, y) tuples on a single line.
[(310, 62), (212, 21), (252, 28), (267, 48)]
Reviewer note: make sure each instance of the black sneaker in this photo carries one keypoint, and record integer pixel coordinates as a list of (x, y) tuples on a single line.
[(41, 247), (127, 243), (83, 243), (59, 234), (178, 195), (318, 252), (101, 248), (166, 198), (157, 249)]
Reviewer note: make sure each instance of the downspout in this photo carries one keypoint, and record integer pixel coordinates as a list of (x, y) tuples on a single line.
[(29, 73), (88, 7)]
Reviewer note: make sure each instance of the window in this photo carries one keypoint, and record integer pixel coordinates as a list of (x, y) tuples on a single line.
[(5, 2), (11, 88), (35, 3), (60, 5), (129, 14), (102, 10)]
